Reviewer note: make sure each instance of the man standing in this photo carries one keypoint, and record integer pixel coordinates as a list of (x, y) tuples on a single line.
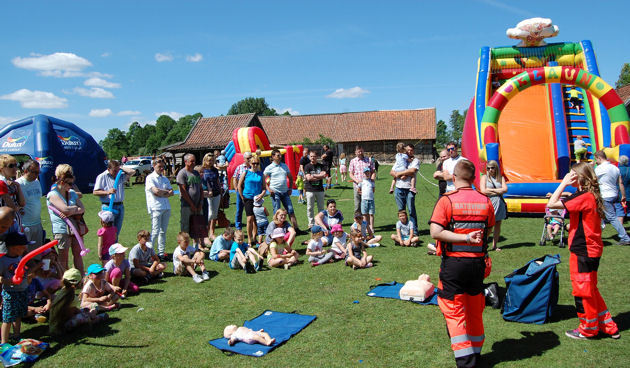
[(356, 171), (32, 211), (438, 172), (157, 190), (610, 184), (191, 192), (448, 166), (327, 162), (240, 169), (405, 197), (313, 184), (276, 175), (305, 160), (460, 223), (104, 187)]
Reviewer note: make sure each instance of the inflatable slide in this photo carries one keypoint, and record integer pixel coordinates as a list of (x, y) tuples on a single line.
[(521, 115)]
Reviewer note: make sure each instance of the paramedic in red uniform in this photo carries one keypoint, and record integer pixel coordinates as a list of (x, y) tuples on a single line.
[(460, 223), (586, 211)]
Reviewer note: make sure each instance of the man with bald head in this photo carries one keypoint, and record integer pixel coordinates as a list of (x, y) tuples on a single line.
[(7, 225)]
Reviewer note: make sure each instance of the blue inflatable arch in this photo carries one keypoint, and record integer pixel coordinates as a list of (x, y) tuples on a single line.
[(51, 142)]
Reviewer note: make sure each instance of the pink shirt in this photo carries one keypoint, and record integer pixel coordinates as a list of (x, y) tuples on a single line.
[(109, 237), (357, 166)]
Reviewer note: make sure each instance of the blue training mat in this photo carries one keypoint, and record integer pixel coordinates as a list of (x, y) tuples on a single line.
[(281, 326), (391, 290)]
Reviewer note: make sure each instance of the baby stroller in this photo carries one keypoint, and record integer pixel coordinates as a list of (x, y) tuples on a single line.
[(554, 217)]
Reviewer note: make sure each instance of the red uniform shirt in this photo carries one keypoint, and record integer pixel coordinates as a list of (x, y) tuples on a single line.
[(585, 230), (443, 213)]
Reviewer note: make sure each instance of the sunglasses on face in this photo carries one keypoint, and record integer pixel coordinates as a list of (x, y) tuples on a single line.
[(12, 166), (451, 149), (255, 163)]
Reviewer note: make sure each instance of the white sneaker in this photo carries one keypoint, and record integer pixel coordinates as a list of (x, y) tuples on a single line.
[(197, 279), (374, 245), (205, 276)]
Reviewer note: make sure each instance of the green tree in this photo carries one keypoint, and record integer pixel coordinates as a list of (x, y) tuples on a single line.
[(456, 122), (181, 129), (248, 105), (115, 144), (624, 76), (442, 135)]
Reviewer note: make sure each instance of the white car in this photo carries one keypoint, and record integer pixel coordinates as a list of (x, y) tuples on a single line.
[(140, 166)]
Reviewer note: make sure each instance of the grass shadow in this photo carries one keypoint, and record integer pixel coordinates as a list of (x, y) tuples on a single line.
[(562, 313), (623, 321), (150, 291), (530, 345), (517, 245)]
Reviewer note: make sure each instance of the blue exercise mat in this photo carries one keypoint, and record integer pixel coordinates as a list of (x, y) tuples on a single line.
[(391, 290), (280, 326)]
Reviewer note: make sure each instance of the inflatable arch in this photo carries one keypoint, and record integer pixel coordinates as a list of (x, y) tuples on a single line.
[(620, 123)]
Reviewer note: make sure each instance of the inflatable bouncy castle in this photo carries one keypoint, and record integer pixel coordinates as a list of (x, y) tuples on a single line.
[(521, 115), (254, 139)]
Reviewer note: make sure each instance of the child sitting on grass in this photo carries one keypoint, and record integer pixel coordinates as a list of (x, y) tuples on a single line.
[(340, 239), (361, 225), (98, 295), (405, 234), (64, 314), (107, 235), (145, 264), (118, 271), (220, 250), (186, 259), (315, 249), (14, 297), (246, 335), (280, 252), (357, 256), (261, 213), (243, 255)]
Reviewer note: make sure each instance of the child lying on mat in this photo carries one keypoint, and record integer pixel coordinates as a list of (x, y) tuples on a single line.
[(246, 335)]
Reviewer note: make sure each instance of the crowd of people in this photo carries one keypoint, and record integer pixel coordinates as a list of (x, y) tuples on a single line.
[(462, 222)]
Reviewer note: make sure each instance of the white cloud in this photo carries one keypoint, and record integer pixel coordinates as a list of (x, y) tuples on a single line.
[(129, 113), (94, 92), (194, 58), (159, 57), (59, 64), (100, 113), (36, 99), (290, 110), (353, 92), (99, 82), (106, 54), (174, 115)]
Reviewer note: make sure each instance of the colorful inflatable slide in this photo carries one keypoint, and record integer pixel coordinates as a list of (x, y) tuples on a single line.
[(521, 117), (254, 139)]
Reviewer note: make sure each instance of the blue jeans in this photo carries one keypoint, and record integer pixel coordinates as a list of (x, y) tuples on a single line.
[(407, 198), (118, 218), (282, 199), (238, 218), (611, 217)]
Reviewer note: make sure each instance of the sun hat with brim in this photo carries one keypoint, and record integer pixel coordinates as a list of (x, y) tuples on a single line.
[(73, 275), (106, 216), (277, 233), (16, 238), (336, 227), (316, 229), (117, 248), (94, 268)]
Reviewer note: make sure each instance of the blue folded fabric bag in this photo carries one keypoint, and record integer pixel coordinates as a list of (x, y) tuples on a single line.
[(280, 326), (391, 290)]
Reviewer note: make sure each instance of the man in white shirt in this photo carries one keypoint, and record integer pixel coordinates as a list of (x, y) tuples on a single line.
[(405, 197), (32, 211), (610, 185), (448, 166), (158, 189), (104, 187)]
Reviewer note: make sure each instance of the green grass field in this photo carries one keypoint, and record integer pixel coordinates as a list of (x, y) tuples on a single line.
[(179, 317)]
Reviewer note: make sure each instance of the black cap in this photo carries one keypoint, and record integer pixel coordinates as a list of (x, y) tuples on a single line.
[(16, 238)]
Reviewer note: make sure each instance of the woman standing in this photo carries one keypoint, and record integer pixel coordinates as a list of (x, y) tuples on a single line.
[(493, 184), (250, 189), (14, 197), (64, 198), (343, 167), (586, 210), (210, 179)]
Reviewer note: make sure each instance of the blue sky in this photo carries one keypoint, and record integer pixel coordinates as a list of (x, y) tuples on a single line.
[(106, 64)]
